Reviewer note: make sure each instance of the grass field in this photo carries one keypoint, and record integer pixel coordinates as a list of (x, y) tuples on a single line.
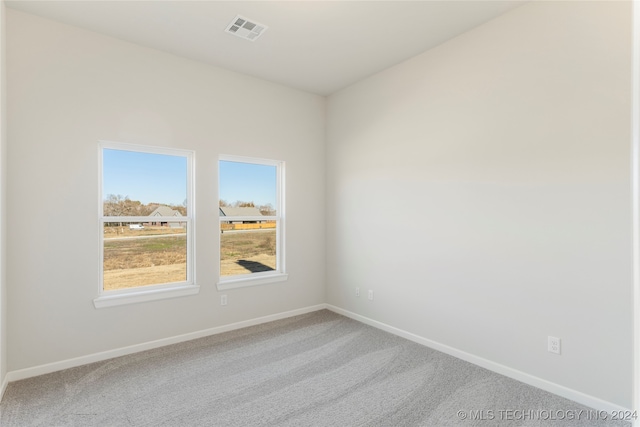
[(142, 261), (124, 231), (247, 252), (135, 258)]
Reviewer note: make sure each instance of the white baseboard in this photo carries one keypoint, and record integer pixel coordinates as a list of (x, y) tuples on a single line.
[(3, 386), (110, 354), (576, 396)]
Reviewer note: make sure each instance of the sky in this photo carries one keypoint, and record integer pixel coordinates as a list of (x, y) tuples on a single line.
[(247, 182), (159, 178), (146, 177)]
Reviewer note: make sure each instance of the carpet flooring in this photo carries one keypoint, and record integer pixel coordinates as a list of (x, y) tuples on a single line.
[(317, 369)]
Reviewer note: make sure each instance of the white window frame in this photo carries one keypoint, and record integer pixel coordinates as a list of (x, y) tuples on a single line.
[(264, 277), (161, 290)]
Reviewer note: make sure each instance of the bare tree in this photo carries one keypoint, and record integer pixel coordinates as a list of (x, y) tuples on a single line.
[(241, 204), (114, 205), (267, 209), (118, 205)]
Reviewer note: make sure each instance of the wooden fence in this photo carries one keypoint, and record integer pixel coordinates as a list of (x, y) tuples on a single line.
[(266, 225)]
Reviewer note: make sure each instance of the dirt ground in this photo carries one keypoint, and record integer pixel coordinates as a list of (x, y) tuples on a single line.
[(252, 251), (130, 263), (143, 276), (231, 267), (148, 230)]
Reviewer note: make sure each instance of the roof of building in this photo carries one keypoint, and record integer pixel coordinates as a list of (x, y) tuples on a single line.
[(247, 211), (164, 211)]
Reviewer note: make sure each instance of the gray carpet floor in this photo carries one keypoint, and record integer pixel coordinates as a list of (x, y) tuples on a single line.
[(318, 369)]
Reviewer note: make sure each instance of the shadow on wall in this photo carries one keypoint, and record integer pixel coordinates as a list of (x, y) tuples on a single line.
[(253, 266)]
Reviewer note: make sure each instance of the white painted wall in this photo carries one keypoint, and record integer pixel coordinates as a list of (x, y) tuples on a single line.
[(635, 170), (3, 168), (69, 88), (482, 190)]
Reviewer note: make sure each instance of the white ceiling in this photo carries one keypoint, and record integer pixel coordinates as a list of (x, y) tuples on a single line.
[(316, 46)]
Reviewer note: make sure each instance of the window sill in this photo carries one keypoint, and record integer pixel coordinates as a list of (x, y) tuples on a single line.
[(251, 280), (145, 295)]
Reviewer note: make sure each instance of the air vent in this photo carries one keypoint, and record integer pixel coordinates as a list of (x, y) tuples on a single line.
[(245, 28)]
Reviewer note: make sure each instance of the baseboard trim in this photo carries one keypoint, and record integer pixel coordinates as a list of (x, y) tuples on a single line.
[(576, 396), (123, 351), (3, 386), (557, 389)]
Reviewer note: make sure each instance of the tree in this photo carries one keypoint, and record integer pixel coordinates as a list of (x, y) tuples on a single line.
[(118, 205), (114, 205), (241, 204), (267, 209)]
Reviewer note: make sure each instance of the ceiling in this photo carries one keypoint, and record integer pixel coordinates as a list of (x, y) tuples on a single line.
[(315, 46)]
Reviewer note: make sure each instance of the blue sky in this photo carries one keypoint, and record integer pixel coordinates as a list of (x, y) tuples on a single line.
[(158, 178), (149, 178), (247, 182)]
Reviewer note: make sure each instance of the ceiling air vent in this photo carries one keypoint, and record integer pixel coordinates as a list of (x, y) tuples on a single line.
[(245, 28)]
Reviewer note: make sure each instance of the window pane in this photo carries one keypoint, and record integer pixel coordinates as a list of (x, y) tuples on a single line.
[(248, 185), (247, 247), (142, 254), (137, 183)]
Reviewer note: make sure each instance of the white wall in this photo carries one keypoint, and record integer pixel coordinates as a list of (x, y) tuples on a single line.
[(3, 167), (69, 88), (482, 190)]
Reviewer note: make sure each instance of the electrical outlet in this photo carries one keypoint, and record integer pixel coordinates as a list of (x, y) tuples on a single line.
[(553, 345), (370, 295), (223, 300), (357, 292)]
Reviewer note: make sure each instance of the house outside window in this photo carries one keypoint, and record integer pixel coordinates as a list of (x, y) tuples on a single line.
[(252, 226), (146, 207)]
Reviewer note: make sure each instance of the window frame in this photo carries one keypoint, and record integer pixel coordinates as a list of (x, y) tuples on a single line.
[(108, 298), (280, 273)]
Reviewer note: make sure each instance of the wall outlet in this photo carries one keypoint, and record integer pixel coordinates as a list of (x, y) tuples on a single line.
[(357, 292), (223, 300), (553, 345), (370, 295)]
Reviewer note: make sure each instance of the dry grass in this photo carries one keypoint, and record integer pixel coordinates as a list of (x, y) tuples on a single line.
[(144, 261), (250, 252), (144, 276), (232, 268), (149, 230), (239, 245), (138, 253), (140, 262)]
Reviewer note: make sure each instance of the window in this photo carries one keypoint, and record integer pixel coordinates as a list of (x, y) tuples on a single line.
[(251, 210), (146, 223)]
